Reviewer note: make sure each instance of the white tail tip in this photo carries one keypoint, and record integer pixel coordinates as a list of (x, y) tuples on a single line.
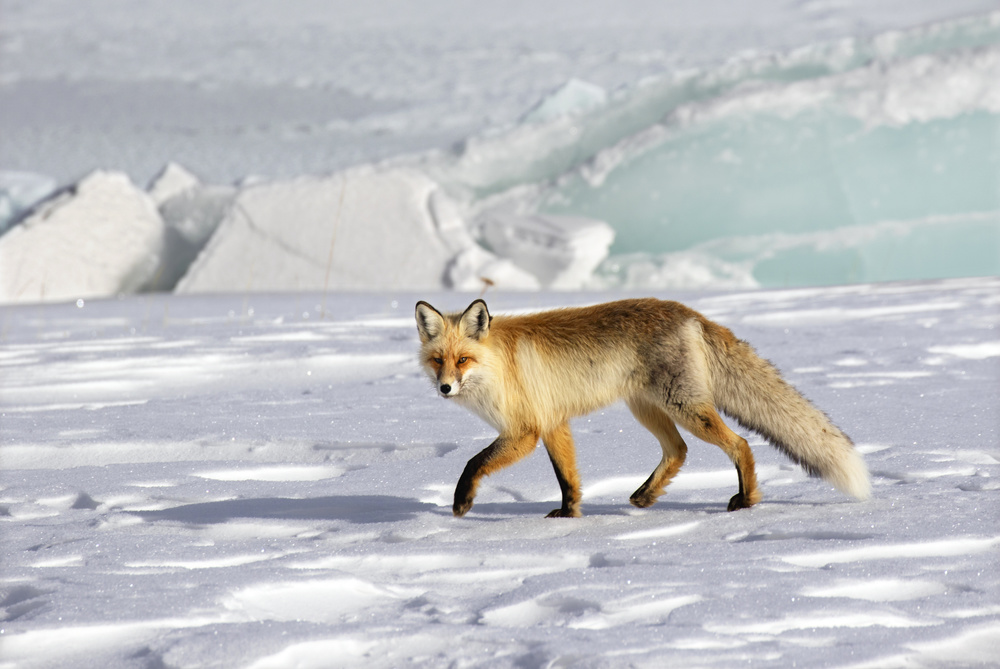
[(853, 479)]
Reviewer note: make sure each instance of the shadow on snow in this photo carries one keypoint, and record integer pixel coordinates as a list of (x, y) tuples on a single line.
[(376, 509), (352, 508)]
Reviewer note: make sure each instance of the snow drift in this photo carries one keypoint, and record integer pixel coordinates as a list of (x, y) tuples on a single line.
[(101, 237), (365, 228), (334, 232)]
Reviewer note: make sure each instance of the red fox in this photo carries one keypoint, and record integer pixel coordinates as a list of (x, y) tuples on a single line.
[(528, 375)]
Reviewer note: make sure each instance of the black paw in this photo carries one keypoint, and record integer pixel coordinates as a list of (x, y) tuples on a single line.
[(642, 499), (738, 502), (461, 508), (563, 513)]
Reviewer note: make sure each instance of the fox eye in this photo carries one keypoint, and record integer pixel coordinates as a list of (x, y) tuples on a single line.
[(439, 361), (462, 361)]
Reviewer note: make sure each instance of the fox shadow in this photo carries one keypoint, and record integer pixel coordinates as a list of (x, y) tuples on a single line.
[(529, 509), (367, 509), (351, 508)]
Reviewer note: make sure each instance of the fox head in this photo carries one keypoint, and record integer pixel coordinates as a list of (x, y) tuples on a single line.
[(452, 349)]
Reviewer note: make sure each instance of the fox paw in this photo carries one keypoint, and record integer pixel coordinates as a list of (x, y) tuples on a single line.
[(461, 508), (739, 501), (643, 499), (564, 513)]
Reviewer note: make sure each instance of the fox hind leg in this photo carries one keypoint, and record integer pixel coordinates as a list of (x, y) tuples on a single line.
[(704, 422), (559, 444), (674, 449), (505, 450)]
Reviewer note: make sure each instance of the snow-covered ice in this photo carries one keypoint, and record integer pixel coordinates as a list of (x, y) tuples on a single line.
[(290, 87), (359, 229), (102, 237), (265, 481), (561, 251), (777, 144), (191, 213)]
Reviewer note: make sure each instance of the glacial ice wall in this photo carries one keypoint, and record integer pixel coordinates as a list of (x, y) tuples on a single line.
[(864, 160)]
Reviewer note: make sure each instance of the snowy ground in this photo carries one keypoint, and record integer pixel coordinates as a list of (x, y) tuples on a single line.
[(265, 481)]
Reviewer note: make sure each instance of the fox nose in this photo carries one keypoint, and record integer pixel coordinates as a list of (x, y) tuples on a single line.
[(445, 388)]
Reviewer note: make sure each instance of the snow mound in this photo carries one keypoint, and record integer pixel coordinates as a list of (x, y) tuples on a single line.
[(365, 228), (368, 228), (191, 212), (562, 251), (476, 268), (688, 270), (172, 180), (102, 237), (573, 98)]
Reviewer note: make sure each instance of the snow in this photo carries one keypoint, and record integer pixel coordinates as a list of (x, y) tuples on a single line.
[(265, 481), (573, 98), (363, 228), (102, 237), (561, 251), (171, 182)]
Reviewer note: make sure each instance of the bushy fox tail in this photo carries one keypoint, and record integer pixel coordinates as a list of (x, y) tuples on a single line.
[(750, 389)]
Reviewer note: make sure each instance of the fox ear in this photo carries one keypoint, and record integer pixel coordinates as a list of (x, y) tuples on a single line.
[(430, 322), (476, 320)]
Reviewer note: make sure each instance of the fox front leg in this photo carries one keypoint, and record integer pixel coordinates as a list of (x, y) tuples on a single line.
[(505, 450), (559, 444)]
